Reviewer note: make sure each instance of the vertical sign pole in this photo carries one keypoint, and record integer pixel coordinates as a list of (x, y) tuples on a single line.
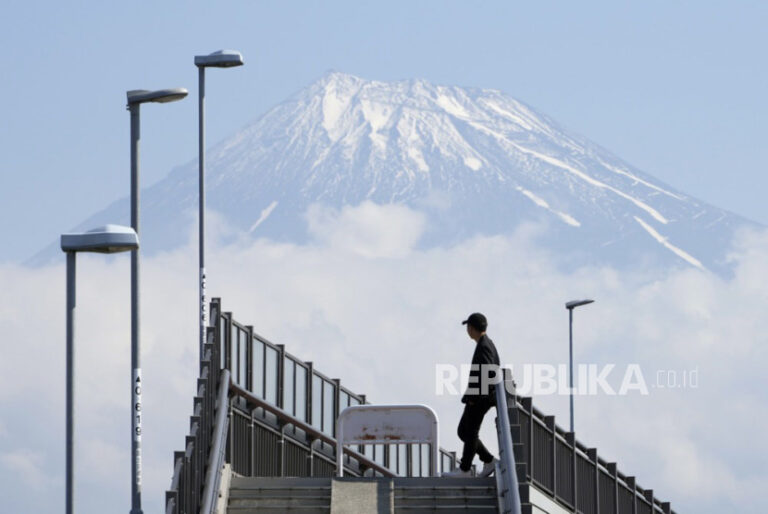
[(135, 361), (201, 165)]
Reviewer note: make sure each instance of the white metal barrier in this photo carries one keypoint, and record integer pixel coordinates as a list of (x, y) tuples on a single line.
[(387, 424)]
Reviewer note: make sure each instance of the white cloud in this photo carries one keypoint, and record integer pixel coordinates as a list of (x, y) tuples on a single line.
[(368, 307), (368, 229), (29, 466)]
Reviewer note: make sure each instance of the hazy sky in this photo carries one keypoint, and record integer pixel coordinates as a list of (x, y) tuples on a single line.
[(674, 88)]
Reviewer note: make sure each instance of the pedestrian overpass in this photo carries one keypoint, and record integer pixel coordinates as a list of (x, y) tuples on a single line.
[(262, 439)]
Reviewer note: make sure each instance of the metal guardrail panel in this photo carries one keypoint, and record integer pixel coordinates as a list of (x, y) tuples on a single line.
[(372, 424)]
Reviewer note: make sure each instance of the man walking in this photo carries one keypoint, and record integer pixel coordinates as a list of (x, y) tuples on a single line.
[(478, 399)]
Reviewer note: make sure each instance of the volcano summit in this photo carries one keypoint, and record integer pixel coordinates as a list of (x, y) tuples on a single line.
[(473, 161)]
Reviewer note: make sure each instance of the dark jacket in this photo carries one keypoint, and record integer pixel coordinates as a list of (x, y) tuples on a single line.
[(485, 353)]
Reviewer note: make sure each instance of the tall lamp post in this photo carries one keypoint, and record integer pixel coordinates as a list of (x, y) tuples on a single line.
[(570, 306), (219, 59), (135, 99), (107, 239)]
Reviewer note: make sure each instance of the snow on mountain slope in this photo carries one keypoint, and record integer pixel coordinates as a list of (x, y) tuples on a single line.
[(474, 161)]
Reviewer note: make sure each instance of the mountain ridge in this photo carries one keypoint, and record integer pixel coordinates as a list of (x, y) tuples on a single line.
[(491, 161)]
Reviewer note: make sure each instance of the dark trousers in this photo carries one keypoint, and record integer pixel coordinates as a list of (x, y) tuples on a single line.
[(469, 431)]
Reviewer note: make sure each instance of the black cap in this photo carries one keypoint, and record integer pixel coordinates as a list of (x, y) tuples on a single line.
[(476, 320)]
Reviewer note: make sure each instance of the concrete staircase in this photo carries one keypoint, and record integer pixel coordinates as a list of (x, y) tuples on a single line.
[(277, 495), (313, 495), (467, 495)]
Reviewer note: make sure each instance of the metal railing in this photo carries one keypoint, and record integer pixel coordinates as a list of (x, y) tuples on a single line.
[(267, 372), (572, 474), (282, 413), (189, 465), (312, 433)]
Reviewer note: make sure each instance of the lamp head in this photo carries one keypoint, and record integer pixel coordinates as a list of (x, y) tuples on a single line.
[(220, 59), (140, 96), (577, 303), (106, 239)]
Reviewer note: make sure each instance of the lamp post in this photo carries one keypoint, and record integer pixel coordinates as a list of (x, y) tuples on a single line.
[(219, 59), (570, 306), (107, 239), (135, 99)]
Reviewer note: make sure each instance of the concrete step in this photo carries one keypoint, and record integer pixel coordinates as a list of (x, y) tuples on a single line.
[(240, 482), (278, 510), (467, 495), (272, 495), (310, 495)]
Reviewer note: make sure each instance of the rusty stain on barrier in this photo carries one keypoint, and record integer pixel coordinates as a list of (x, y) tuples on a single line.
[(388, 437)]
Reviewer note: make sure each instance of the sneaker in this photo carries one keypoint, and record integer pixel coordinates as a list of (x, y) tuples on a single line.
[(456, 473), (489, 468)]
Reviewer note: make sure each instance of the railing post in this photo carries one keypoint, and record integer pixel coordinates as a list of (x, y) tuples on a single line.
[(361, 448), (195, 429), (252, 444), (336, 403), (231, 436), (336, 412), (310, 421), (281, 451), (570, 438), (200, 415), (613, 470), (310, 386), (227, 329), (281, 375), (632, 484), (592, 454), (178, 457), (189, 493), (408, 460), (249, 358), (172, 500), (666, 507), (215, 322), (549, 421), (648, 494), (311, 457), (527, 403)]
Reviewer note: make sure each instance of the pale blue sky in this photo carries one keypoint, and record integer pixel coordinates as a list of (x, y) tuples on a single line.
[(675, 88)]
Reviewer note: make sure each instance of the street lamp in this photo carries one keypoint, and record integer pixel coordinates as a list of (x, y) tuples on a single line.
[(219, 59), (135, 99), (107, 239), (570, 306)]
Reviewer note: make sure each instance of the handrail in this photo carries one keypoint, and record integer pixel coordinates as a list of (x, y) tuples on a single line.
[(309, 429), (582, 450), (509, 495), (218, 448)]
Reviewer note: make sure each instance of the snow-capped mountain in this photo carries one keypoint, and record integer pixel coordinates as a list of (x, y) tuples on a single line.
[(474, 161)]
